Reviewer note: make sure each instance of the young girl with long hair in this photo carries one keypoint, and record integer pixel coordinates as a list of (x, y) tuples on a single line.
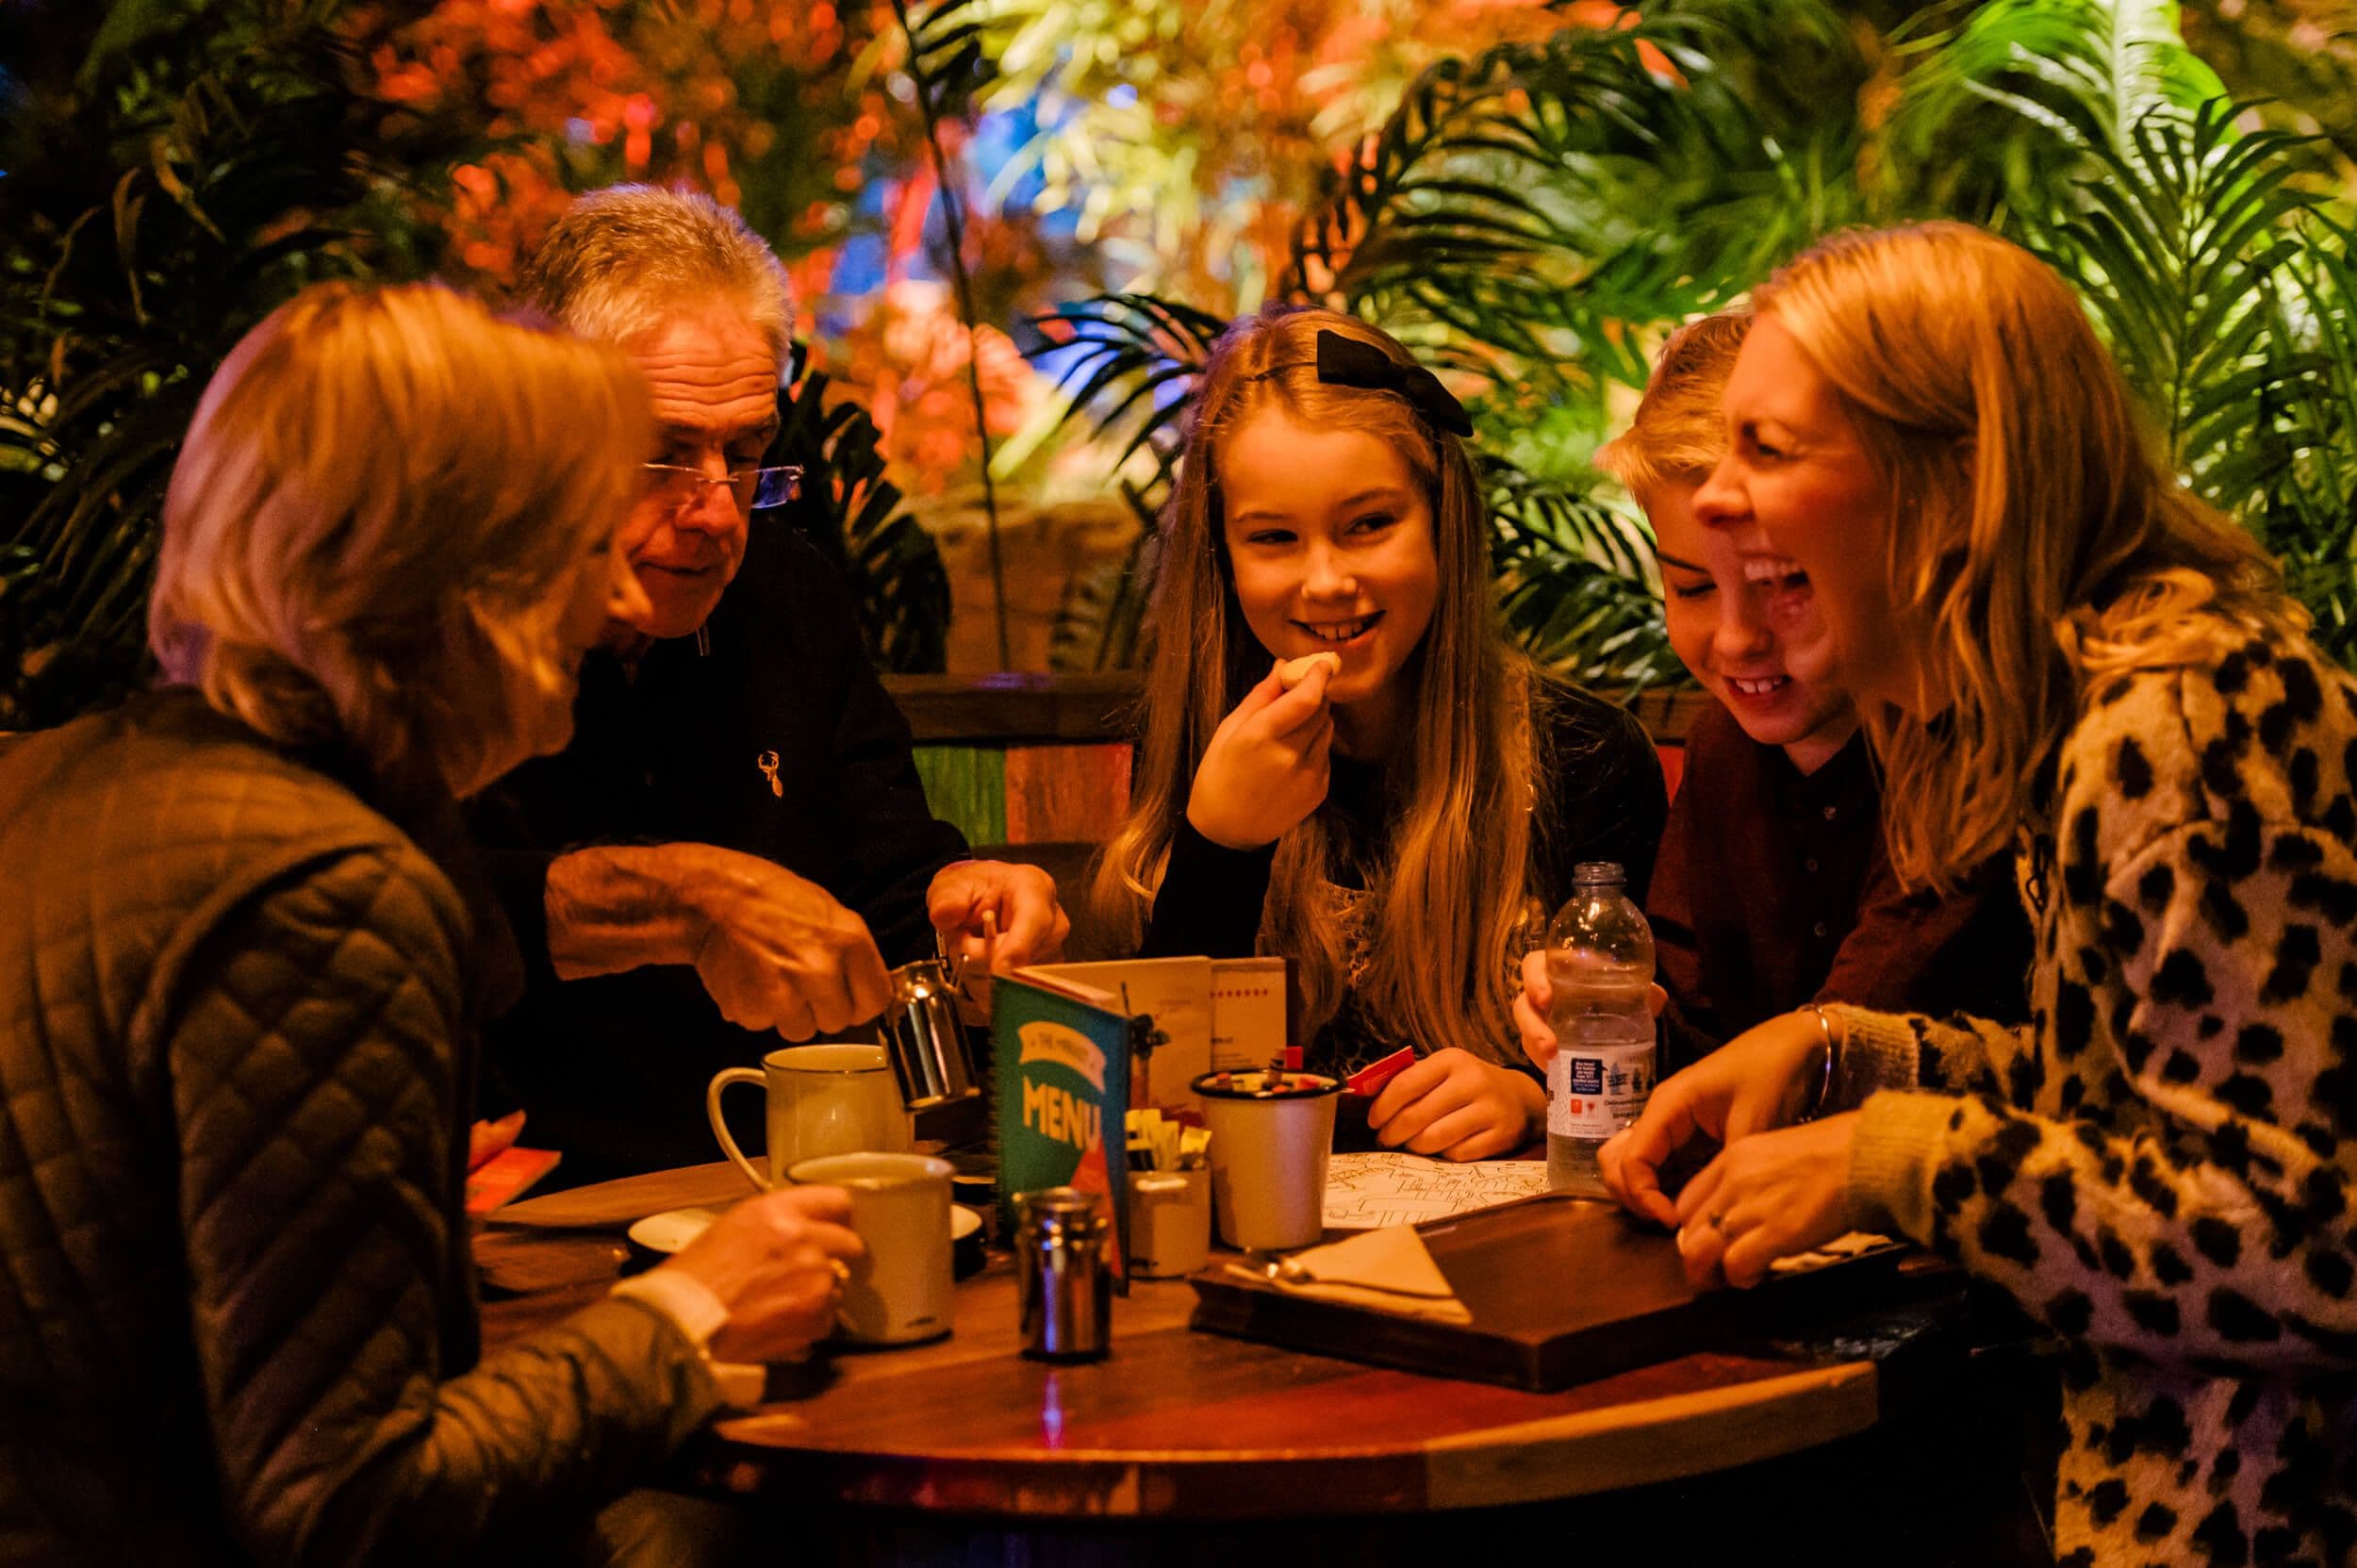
[(2056, 649), (1390, 823), (1773, 886)]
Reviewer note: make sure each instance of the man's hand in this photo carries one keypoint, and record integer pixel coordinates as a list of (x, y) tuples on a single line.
[(1766, 1197), (779, 952), (1454, 1104), (774, 949), (773, 1260), (1020, 901), (1265, 767)]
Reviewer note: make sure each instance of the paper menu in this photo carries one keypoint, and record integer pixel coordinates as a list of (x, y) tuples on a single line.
[(1207, 1013), (1247, 1011), (1061, 1056)]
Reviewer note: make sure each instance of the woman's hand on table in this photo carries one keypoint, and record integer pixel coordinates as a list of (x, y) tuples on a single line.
[(1266, 766), (1025, 923), (1766, 1197), (1537, 995), (775, 1262), (1455, 1105), (1750, 1085)]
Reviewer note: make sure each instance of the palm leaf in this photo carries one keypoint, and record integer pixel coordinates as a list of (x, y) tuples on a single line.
[(227, 143), (853, 516), (2296, 473), (1572, 581), (1130, 362), (2178, 250), (1101, 623), (2006, 103)]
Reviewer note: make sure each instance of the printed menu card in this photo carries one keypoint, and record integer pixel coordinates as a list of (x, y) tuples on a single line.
[(1062, 1054), (1203, 1015)]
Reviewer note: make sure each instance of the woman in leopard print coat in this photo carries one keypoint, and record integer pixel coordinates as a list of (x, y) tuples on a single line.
[(2067, 654)]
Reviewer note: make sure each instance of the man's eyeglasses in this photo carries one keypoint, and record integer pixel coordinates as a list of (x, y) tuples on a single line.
[(754, 488)]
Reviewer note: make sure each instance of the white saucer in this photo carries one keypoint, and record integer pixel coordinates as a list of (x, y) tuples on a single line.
[(669, 1231), (673, 1228)]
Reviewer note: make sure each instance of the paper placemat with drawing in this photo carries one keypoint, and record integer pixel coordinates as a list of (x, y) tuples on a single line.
[(1389, 1187)]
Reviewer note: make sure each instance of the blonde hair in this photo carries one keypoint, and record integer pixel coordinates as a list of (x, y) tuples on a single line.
[(622, 259), (372, 526), (1679, 433), (1448, 896), (2034, 539)]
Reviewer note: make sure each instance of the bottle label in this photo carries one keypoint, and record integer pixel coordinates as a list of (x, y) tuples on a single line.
[(1595, 1091)]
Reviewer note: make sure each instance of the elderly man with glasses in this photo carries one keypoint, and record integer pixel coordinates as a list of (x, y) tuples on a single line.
[(735, 845)]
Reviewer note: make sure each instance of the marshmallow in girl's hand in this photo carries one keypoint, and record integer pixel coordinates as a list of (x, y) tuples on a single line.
[(1294, 672)]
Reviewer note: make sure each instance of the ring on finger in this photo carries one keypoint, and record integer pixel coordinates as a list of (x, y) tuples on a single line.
[(841, 1272)]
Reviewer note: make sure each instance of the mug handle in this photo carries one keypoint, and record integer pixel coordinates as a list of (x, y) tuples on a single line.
[(720, 1127)]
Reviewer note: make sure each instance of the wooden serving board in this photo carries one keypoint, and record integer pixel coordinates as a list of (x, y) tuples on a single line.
[(1562, 1291)]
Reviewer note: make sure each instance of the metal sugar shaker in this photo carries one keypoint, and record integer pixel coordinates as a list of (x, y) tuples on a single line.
[(1067, 1289)]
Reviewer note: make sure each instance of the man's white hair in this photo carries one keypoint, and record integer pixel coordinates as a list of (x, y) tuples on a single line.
[(622, 259)]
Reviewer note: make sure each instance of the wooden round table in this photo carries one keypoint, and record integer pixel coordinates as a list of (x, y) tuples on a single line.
[(1175, 1426)]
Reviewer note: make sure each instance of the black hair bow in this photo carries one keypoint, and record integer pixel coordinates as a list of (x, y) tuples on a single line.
[(1349, 362)]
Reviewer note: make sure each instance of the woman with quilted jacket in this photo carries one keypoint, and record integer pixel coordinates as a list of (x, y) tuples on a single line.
[(2056, 649), (242, 967)]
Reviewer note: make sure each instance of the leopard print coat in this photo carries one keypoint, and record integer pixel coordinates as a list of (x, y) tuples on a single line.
[(2159, 1164)]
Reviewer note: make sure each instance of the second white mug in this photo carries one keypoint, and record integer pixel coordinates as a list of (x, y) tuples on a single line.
[(827, 1098), (899, 1292)]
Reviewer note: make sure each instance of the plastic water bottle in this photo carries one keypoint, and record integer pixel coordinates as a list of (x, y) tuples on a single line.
[(1599, 962)]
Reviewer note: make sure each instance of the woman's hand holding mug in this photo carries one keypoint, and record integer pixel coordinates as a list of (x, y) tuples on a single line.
[(776, 1263), (1265, 769)]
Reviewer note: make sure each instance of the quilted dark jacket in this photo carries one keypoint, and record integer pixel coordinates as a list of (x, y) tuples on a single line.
[(236, 1313)]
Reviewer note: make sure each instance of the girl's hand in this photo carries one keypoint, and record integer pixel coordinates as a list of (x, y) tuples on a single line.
[(1753, 1082), (1537, 995), (1265, 769), (1530, 1010), (1454, 1104), (1766, 1197)]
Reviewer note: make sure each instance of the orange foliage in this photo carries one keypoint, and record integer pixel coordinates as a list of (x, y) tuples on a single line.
[(1250, 99), (907, 363), (583, 94), (781, 108)]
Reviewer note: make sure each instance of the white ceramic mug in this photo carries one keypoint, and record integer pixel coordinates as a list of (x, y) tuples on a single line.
[(900, 1291), (835, 1099), (1268, 1164)]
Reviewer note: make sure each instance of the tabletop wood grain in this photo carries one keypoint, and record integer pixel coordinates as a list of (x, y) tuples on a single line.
[(1174, 1424)]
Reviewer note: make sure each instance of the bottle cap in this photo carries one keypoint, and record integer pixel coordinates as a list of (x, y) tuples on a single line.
[(1595, 873)]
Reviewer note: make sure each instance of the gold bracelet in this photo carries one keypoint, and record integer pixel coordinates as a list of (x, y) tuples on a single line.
[(1818, 1101)]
